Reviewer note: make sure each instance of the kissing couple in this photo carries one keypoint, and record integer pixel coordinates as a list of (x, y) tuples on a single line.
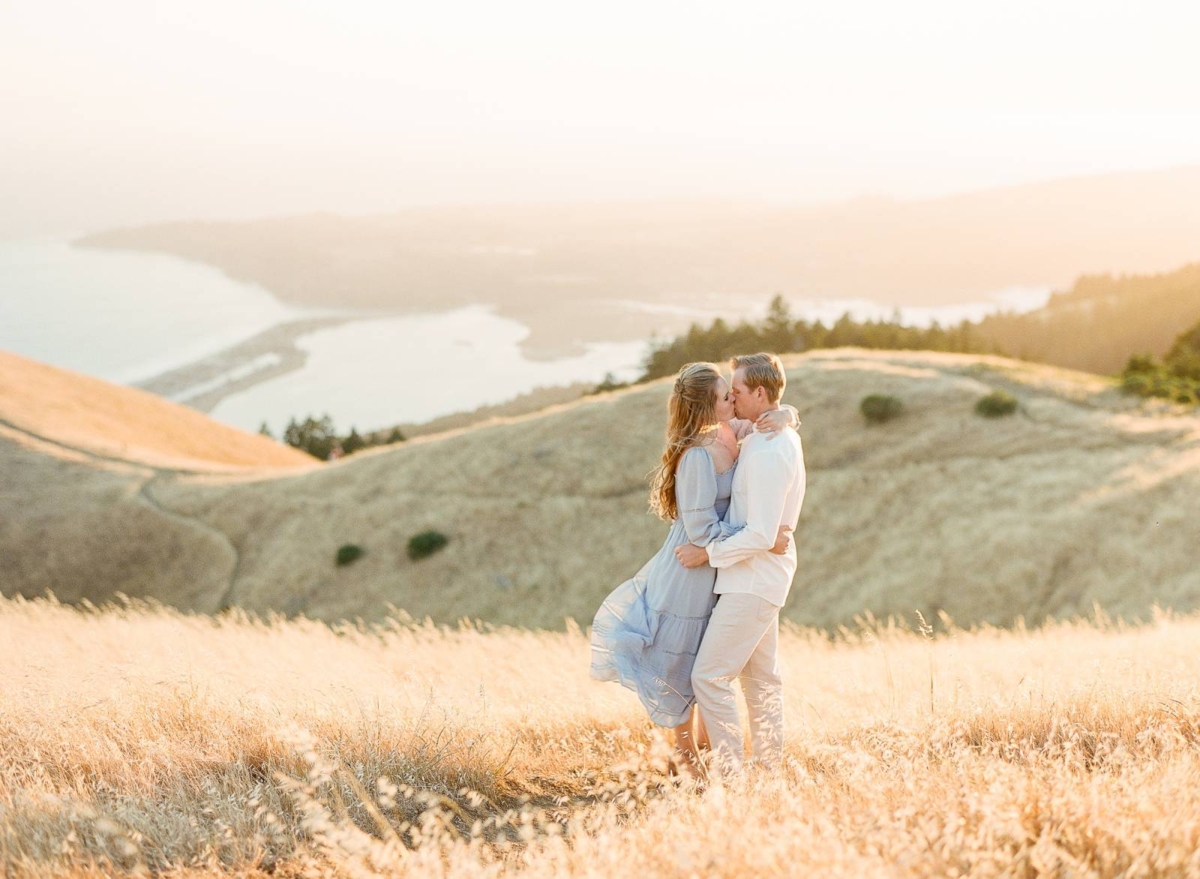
[(705, 609)]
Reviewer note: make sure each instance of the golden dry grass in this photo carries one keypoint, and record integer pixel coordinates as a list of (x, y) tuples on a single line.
[(115, 422), (136, 738), (1083, 497)]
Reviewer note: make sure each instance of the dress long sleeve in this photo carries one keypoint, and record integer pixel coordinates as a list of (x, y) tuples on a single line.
[(696, 496)]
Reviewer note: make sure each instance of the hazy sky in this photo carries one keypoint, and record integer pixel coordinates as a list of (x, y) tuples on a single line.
[(123, 112)]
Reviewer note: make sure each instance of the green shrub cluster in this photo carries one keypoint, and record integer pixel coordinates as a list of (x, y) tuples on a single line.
[(1158, 382), (997, 404), (348, 553), (426, 544), (1177, 378), (878, 408)]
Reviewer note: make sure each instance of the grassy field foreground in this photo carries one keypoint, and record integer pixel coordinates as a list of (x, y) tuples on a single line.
[(137, 738)]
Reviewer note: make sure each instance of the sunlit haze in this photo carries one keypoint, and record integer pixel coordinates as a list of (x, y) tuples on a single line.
[(128, 112)]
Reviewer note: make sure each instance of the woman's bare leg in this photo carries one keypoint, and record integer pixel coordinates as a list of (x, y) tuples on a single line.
[(701, 738), (685, 744)]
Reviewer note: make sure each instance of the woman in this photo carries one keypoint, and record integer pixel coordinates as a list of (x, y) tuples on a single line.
[(648, 630)]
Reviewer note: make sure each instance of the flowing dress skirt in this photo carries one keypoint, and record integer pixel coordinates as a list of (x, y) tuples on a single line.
[(647, 632)]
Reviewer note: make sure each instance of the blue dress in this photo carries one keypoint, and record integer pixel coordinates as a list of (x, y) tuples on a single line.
[(648, 630)]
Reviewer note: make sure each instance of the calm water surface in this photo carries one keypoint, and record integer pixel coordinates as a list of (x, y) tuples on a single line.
[(128, 316), (376, 373), (122, 316)]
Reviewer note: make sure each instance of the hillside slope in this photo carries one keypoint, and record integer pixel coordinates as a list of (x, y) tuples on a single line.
[(77, 457), (123, 423), (1083, 497)]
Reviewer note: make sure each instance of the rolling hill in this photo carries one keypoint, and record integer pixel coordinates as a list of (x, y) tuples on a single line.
[(1084, 497), (107, 421), (76, 457)]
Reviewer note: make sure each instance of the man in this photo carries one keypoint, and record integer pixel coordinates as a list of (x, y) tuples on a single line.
[(742, 637)]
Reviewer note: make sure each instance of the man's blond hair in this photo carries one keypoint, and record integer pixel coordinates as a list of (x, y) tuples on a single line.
[(762, 371)]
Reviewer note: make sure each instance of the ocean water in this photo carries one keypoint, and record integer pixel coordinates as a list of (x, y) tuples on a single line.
[(379, 372), (122, 316), (126, 317)]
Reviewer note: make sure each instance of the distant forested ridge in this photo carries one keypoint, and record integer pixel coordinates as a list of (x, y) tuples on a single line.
[(1096, 326)]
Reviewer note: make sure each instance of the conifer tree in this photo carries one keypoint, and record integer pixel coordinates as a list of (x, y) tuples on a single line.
[(353, 442)]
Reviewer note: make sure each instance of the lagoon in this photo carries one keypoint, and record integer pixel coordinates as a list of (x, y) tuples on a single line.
[(120, 316), (382, 371), (127, 317)]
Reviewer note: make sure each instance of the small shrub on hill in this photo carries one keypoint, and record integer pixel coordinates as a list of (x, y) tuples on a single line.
[(426, 544), (1137, 383), (348, 553), (997, 404), (878, 408), (1183, 360), (1140, 364), (1176, 379)]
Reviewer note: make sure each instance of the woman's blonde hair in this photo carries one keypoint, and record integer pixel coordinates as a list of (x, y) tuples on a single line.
[(691, 410)]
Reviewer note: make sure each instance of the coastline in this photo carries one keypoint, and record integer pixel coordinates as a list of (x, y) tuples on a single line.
[(198, 384)]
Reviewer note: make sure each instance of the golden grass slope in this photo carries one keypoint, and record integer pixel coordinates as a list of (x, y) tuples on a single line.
[(139, 739), (1083, 497), (112, 421), (77, 457)]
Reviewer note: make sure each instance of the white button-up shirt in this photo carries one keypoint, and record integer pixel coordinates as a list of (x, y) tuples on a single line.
[(768, 490)]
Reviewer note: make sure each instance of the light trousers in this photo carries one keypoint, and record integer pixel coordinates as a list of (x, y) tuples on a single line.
[(741, 641)]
